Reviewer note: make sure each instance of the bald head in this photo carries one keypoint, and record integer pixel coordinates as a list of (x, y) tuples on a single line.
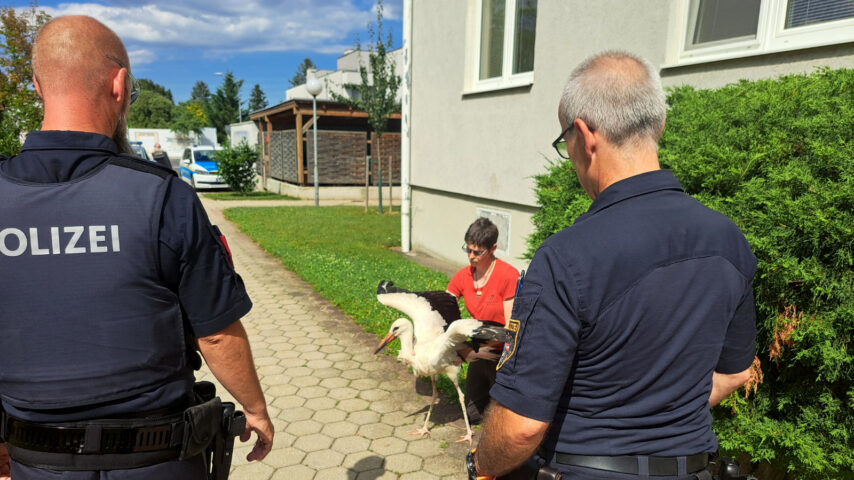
[(617, 93), (71, 57)]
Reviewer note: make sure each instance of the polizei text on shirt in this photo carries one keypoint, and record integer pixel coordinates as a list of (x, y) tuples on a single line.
[(59, 240)]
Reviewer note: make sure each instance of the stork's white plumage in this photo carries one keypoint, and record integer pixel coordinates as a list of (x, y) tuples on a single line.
[(429, 343)]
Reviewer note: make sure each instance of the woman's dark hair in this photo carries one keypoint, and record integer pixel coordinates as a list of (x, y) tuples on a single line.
[(482, 233)]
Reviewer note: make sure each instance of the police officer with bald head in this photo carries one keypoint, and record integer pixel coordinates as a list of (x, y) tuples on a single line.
[(112, 277), (632, 322)]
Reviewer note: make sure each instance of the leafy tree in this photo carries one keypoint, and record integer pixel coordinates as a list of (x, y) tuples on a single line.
[(188, 117), (777, 157), (20, 105), (201, 92), (302, 70), (378, 88), (146, 84), (236, 167), (257, 99), (151, 110), (224, 107)]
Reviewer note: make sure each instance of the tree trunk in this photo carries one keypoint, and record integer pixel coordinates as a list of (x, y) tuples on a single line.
[(390, 183), (379, 175), (367, 181)]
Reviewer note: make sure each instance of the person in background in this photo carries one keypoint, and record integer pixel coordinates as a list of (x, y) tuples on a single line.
[(160, 156), (487, 285)]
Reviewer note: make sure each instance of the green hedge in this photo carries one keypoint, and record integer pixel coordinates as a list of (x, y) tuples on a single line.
[(777, 157)]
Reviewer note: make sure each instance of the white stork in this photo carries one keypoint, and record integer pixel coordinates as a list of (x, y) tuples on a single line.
[(438, 332)]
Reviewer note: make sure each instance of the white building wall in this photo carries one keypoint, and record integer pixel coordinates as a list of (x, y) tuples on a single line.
[(347, 73), (480, 149), (238, 132), (169, 141)]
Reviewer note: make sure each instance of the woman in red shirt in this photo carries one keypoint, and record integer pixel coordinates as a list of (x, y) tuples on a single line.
[(488, 286)]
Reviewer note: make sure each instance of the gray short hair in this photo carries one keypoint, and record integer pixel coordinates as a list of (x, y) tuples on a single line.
[(618, 94)]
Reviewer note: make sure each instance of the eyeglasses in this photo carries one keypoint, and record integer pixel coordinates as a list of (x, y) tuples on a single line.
[(134, 92), (560, 143), (476, 253)]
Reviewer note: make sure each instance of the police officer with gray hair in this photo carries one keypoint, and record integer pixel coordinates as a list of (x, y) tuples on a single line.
[(634, 321), (112, 278)]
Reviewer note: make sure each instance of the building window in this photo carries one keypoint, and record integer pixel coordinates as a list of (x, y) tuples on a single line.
[(720, 29), (505, 43), (716, 21), (807, 12)]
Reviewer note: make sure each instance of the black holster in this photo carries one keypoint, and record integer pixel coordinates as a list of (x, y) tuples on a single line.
[(225, 423), (532, 470)]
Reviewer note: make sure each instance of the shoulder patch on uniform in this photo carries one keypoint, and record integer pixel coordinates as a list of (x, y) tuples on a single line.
[(510, 343), (134, 163)]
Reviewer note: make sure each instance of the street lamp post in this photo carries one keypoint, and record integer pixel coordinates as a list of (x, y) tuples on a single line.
[(314, 87)]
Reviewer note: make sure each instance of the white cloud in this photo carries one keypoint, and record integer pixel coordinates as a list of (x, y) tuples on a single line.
[(222, 27), (141, 56)]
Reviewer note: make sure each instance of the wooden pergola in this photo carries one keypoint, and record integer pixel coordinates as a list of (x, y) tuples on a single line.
[(298, 115)]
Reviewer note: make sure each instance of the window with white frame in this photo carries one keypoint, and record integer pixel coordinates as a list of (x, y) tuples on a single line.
[(506, 31), (721, 29)]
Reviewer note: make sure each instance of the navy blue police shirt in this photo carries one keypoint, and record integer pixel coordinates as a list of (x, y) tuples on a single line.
[(192, 261), (622, 319)]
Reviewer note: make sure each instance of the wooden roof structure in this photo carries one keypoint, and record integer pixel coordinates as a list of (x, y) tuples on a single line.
[(298, 115)]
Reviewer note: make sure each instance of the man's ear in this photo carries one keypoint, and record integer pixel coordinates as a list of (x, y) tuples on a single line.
[(119, 89), (37, 86), (591, 143)]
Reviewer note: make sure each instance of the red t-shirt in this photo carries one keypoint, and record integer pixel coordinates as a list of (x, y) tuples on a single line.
[(489, 305)]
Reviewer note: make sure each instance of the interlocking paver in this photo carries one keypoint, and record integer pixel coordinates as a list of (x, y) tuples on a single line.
[(291, 473), (388, 446), (284, 457), (351, 444), (313, 443), (340, 429), (324, 459), (340, 412), (318, 404), (334, 473), (403, 463), (304, 427), (329, 416), (376, 430)]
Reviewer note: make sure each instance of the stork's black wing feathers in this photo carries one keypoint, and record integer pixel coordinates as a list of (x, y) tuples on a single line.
[(440, 301)]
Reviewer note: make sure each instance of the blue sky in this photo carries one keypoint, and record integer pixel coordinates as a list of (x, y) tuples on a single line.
[(176, 43)]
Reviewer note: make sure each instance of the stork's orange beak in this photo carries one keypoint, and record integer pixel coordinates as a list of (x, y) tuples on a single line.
[(388, 338)]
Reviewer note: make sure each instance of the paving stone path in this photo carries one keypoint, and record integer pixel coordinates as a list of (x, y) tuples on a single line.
[(339, 411)]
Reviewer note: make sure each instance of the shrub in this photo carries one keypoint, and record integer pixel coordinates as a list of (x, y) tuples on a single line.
[(236, 166), (777, 157)]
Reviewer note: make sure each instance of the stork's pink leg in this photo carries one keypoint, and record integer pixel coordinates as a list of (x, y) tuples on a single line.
[(467, 436), (424, 430)]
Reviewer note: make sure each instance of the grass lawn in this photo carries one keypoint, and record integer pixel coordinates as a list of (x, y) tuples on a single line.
[(343, 253), (247, 196)]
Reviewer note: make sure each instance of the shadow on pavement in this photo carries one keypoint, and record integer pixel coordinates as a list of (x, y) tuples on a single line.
[(368, 468)]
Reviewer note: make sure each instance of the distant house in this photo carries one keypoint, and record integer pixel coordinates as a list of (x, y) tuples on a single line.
[(486, 77), (172, 143), (242, 131), (344, 139), (346, 73)]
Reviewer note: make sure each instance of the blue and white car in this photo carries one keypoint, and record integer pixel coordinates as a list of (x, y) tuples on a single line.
[(199, 168), (139, 150)]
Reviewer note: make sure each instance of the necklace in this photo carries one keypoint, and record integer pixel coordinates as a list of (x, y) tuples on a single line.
[(478, 290)]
